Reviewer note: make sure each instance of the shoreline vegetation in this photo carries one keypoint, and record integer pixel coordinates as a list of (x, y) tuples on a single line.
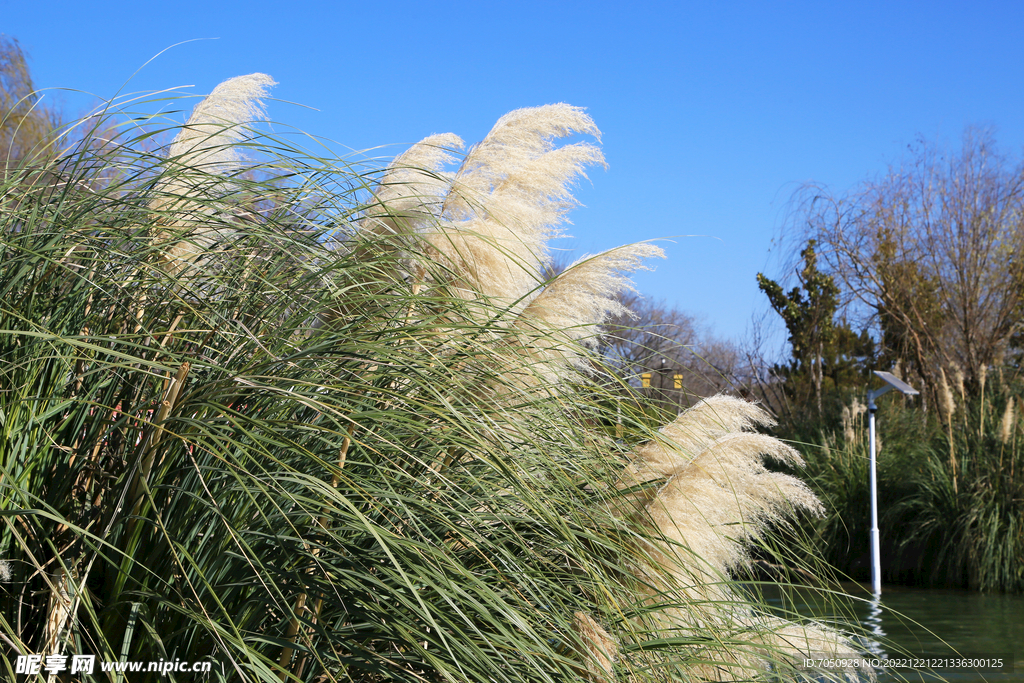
[(951, 499), (917, 272), (316, 421)]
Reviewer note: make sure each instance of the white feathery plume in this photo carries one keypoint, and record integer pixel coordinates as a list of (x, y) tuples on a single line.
[(958, 380), (518, 162), (748, 645), (204, 154), (847, 419), (488, 224), (599, 649), (717, 496), (508, 199), (717, 492), (1007, 424), (813, 638), (947, 404), (208, 142), (725, 497), (982, 377), (413, 188), (564, 318), (691, 433), (857, 408)]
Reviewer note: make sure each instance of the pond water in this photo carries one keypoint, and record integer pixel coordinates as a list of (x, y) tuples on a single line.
[(914, 622)]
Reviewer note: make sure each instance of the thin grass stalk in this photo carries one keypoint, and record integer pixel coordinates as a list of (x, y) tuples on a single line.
[(300, 601), (151, 443)]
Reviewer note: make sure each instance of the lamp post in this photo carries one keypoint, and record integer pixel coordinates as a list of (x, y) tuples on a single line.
[(891, 382)]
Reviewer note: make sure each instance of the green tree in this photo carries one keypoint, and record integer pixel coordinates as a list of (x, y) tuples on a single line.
[(809, 312), (930, 255)]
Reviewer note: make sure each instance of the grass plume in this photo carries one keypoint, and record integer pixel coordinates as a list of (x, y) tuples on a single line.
[(318, 461), (201, 161)]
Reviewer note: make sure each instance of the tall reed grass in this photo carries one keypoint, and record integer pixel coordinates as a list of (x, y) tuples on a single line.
[(318, 421), (951, 499)]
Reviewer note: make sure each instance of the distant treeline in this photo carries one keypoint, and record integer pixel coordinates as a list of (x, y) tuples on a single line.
[(919, 272)]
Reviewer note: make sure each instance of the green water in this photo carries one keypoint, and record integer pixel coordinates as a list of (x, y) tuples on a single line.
[(917, 622)]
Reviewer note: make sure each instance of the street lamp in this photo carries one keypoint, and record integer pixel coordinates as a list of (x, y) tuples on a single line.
[(891, 382)]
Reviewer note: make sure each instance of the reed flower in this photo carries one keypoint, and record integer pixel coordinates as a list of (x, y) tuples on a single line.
[(703, 488), (488, 222), (692, 432), (564, 319), (947, 404), (514, 187), (209, 139), (947, 407), (717, 494), (452, 509), (598, 648), (958, 381), (201, 161), (849, 418), (982, 377), (1007, 423), (411, 193)]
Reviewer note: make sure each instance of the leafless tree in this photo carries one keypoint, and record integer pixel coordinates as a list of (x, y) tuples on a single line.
[(668, 352), (933, 251), (27, 123)]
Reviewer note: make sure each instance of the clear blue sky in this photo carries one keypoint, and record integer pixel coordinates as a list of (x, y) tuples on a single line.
[(712, 113)]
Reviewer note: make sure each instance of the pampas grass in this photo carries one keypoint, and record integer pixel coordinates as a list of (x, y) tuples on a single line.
[(703, 487), (209, 140), (412, 191), (564, 319), (1006, 425), (850, 418), (489, 221), (598, 649), (201, 161), (692, 432), (372, 448), (725, 497)]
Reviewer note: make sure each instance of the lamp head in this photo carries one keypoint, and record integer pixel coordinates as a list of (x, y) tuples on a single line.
[(891, 382)]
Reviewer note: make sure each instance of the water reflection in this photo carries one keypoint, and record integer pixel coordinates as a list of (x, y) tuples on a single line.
[(919, 622), (875, 635)]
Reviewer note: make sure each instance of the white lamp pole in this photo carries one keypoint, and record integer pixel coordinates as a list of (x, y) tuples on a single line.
[(891, 382)]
